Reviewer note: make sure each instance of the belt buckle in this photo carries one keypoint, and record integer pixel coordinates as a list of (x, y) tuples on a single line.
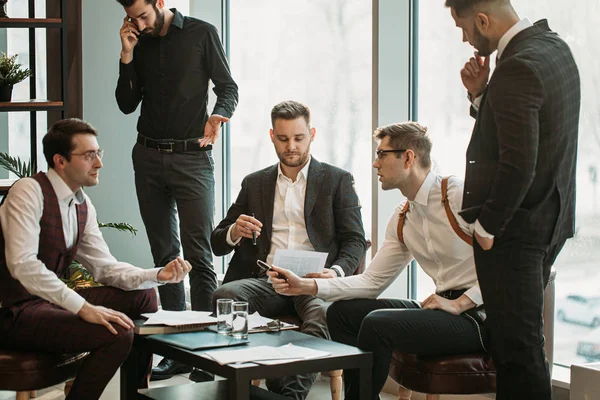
[(164, 149)]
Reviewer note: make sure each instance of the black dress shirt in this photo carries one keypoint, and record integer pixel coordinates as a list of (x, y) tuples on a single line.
[(170, 75)]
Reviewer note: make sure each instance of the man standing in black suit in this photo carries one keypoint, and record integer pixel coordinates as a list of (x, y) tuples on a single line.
[(520, 178), (300, 204)]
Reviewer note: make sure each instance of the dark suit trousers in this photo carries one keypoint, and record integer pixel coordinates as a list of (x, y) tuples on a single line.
[(40, 326), (512, 276), (384, 325), (176, 195)]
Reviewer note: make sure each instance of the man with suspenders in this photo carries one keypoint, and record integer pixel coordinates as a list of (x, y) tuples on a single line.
[(426, 227)]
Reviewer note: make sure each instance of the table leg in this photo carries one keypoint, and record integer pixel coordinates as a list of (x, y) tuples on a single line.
[(364, 383), (238, 389), (129, 378)]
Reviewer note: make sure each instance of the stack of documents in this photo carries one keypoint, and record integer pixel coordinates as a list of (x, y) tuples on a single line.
[(164, 321), (266, 355)]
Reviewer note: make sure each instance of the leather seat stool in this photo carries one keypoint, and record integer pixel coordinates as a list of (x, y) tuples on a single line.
[(464, 373), (24, 371)]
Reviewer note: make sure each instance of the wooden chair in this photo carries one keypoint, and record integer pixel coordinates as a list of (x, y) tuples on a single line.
[(461, 374), (25, 372), (335, 377)]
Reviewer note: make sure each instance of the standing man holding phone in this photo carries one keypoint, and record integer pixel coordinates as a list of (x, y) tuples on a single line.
[(167, 61)]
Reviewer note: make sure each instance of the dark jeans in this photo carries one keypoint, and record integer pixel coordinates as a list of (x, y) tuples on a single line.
[(512, 276), (172, 188), (384, 325), (40, 326), (262, 298)]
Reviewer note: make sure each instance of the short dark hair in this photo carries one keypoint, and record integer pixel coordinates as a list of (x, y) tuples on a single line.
[(408, 135), (59, 139), (129, 3), (463, 7), (290, 110)]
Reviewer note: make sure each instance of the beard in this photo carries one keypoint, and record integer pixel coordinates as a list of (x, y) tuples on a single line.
[(482, 44), (158, 24), (301, 159)]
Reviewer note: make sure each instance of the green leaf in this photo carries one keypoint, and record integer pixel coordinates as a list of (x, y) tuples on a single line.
[(120, 226), (16, 166)]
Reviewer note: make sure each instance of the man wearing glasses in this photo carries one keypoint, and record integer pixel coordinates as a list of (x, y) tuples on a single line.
[(426, 227), (48, 221)]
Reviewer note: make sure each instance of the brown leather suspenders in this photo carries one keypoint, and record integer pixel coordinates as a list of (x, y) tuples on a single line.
[(451, 218)]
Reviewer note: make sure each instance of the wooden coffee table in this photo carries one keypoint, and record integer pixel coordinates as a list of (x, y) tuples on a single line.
[(239, 376)]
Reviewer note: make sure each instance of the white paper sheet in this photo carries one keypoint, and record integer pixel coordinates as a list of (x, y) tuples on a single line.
[(265, 354), (300, 262), (175, 318)]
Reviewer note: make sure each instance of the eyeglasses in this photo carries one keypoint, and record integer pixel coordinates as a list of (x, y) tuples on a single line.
[(381, 153), (90, 156)]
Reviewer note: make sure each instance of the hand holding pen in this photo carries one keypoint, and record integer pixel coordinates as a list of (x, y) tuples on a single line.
[(246, 226)]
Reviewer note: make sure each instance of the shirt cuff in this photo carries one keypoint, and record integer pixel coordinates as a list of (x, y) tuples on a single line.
[(323, 288), (126, 69), (73, 302), (474, 294), (222, 112), (229, 240), (153, 277), (482, 232), (476, 102), (340, 272)]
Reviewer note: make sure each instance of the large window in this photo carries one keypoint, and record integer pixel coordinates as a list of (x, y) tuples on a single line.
[(443, 107), (317, 52)]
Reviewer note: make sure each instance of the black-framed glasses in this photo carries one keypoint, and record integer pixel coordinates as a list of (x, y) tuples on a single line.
[(381, 153), (90, 156)]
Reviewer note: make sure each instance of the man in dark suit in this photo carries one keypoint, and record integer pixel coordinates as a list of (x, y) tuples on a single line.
[(300, 204), (520, 178)]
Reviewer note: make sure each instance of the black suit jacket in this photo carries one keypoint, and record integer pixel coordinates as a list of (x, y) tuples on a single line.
[(521, 160), (331, 212)]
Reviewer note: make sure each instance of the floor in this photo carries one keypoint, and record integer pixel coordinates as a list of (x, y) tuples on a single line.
[(320, 390)]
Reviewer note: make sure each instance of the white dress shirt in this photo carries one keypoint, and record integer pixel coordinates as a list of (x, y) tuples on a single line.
[(289, 226), (428, 237), (20, 216), (504, 40)]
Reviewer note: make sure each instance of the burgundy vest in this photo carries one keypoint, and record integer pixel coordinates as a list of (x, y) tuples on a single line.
[(52, 249)]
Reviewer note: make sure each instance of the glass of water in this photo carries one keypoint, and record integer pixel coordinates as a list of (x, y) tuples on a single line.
[(240, 320), (224, 316)]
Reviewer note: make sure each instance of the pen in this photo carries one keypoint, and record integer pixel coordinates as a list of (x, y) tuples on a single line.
[(253, 234)]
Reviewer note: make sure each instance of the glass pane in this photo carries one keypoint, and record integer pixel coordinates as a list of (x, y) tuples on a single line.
[(17, 42), (317, 52), (183, 6), (444, 108)]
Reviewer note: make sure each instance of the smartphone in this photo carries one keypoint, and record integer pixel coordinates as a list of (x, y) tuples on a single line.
[(263, 265), (267, 267)]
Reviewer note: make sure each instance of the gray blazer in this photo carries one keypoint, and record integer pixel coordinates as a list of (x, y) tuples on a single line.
[(520, 175), (331, 212)]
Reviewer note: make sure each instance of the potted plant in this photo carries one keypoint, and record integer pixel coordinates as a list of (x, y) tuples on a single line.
[(77, 277), (11, 72)]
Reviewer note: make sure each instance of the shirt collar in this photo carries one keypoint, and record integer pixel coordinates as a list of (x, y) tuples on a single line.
[(62, 190), (177, 18), (303, 172), (423, 193), (511, 33)]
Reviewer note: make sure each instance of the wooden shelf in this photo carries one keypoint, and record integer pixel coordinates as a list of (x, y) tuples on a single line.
[(30, 22), (31, 105)]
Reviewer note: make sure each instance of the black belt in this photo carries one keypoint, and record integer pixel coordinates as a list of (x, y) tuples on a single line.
[(172, 145), (452, 294)]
